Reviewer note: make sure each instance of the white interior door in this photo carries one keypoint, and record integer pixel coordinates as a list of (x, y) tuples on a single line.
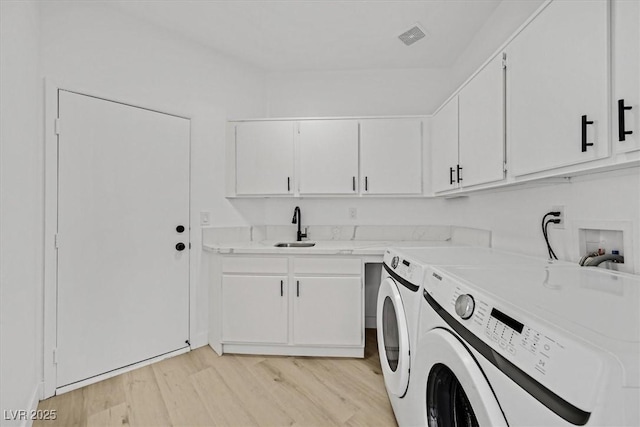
[(123, 284)]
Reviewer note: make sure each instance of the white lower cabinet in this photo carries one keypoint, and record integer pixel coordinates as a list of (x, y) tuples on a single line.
[(298, 305), (255, 309), (327, 311)]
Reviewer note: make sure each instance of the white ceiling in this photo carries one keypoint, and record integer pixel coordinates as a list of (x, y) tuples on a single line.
[(322, 34)]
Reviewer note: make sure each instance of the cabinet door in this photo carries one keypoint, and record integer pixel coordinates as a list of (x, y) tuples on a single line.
[(327, 311), (481, 121), (626, 74), (254, 309), (444, 147), (328, 156), (557, 73), (264, 158), (391, 156)]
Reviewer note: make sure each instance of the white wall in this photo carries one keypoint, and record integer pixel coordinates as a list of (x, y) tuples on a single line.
[(503, 22), (21, 202), (415, 91), (93, 47), (513, 215)]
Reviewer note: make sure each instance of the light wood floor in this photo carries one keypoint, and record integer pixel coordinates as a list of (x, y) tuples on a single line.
[(202, 388)]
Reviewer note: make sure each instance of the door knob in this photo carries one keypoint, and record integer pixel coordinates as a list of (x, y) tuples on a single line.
[(180, 228), (180, 246)]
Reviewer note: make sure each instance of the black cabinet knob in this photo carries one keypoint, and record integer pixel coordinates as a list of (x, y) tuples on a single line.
[(180, 246), (180, 228)]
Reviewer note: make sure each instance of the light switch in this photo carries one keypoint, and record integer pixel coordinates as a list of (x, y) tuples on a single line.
[(205, 218)]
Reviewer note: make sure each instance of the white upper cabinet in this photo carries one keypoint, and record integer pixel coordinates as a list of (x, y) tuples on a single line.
[(481, 126), (444, 147), (557, 88), (328, 156), (626, 75), (467, 138), (391, 156), (264, 153)]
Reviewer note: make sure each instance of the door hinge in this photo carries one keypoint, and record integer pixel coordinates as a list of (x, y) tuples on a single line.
[(57, 126), (504, 60), (504, 167), (55, 356), (56, 240)]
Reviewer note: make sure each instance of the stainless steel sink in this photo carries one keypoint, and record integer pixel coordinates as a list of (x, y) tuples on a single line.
[(295, 245)]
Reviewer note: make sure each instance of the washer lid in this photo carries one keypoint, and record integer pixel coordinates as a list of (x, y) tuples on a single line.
[(574, 298)]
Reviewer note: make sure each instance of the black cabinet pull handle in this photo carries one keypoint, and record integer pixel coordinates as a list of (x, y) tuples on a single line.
[(288, 184), (281, 288), (297, 288), (180, 228), (459, 169), (622, 133), (366, 183), (585, 144), (354, 183), (451, 181), (180, 247)]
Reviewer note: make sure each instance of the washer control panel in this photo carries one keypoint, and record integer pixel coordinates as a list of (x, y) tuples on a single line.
[(553, 358), (407, 269)]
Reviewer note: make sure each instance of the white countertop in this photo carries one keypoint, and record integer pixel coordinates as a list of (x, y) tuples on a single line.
[(322, 247)]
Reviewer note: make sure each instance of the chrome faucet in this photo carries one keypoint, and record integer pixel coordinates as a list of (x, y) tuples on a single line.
[(297, 219)]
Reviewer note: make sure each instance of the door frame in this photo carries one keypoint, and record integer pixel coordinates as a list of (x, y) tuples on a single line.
[(50, 273)]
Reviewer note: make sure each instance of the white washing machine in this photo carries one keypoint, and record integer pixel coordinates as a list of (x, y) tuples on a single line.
[(398, 307), (528, 345)]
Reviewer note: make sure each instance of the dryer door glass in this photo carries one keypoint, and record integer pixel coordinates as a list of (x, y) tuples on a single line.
[(447, 403), (449, 381), (391, 334)]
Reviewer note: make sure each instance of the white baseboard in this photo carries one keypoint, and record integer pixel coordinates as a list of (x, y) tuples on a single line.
[(290, 350), (113, 373), (370, 322), (33, 405), (199, 340)]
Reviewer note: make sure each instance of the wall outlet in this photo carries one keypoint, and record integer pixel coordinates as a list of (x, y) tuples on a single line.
[(353, 213), (561, 217), (205, 218)]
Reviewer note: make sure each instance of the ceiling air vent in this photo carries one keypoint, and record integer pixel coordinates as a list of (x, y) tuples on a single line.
[(412, 35)]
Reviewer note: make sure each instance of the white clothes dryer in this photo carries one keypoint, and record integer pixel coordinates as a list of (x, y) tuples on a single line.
[(398, 308), (528, 345)]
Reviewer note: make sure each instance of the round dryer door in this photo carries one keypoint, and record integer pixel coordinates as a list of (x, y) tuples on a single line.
[(451, 386), (393, 338)]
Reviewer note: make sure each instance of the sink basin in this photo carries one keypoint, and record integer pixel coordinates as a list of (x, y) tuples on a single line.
[(295, 245)]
